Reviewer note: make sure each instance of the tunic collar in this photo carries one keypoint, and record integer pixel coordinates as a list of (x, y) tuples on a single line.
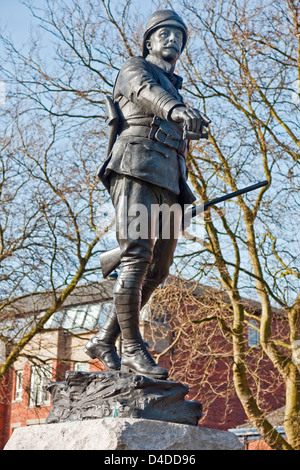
[(167, 68)]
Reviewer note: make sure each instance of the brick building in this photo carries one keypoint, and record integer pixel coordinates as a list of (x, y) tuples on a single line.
[(250, 437), (23, 399)]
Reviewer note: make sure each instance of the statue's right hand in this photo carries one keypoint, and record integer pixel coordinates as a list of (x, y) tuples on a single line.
[(191, 117)]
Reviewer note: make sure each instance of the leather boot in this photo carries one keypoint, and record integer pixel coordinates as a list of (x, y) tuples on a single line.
[(137, 360), (127, 294), (102, 345)]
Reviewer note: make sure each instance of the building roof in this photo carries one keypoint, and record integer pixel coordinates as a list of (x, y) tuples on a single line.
[(275, 418), (101, 291), (200, 290), (246, 433), (89, 304), (83, 294), (86, 308)]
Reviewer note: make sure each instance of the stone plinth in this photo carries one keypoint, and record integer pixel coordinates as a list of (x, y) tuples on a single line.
[(93, 395), (121, 434)]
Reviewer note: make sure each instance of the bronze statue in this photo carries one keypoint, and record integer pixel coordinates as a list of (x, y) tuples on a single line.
[(146, 164)]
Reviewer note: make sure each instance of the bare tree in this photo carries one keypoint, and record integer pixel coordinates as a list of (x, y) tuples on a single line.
[(50, 196), (245, 79)]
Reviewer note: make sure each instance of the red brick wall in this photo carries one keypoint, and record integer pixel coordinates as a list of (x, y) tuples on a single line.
[(257, 445), (18, 413), (207, 369), (21, 411), (5, 409)]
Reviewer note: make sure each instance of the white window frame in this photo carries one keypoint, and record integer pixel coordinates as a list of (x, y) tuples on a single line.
[(40, 376), (18, 385), (81, 366)]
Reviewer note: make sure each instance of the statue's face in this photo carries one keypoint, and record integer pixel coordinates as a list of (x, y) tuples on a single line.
[(166, 43)]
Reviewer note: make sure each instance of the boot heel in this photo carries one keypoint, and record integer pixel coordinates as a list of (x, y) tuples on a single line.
[(89, 353)]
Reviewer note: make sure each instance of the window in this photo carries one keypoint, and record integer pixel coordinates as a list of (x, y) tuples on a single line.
[(253, 334), (19, 385), (82, 317), (81, 367), (40, 377), (2, 352)]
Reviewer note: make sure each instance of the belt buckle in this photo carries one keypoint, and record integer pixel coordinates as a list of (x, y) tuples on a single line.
[(154, 127)]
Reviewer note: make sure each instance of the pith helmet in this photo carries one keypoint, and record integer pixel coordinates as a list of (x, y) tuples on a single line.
[(163, 18)]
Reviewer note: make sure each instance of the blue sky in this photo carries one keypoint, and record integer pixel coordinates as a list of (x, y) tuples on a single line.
[(16, 18)]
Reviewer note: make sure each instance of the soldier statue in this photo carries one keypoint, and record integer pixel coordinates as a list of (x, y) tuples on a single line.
[(146, 164)]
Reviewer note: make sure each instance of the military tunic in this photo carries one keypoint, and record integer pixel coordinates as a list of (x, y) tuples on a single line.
[(150, 147)]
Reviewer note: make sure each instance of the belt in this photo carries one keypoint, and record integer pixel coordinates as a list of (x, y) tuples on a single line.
[(135, 131), (156, 134)]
